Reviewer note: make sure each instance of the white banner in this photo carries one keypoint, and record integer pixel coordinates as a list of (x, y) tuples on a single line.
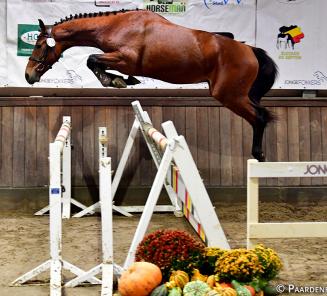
[(236, 16), (293, 33), (3, 52)]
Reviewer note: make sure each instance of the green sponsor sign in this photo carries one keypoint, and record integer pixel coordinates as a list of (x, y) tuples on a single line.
[(165, 6), (27, 36)]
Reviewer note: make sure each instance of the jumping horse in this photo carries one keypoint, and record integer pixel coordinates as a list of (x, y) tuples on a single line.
[(143, 43)]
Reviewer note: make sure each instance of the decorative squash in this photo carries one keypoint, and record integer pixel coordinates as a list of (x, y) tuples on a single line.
[(240, 289), (211, 281), (213, 293), (180, 277), (161, 290), (251, 289), (197, 276), (139, 279), (176, 291), (196, 288), (226, 291), (171, 284)]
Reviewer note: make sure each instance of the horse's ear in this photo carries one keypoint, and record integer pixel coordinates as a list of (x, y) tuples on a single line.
[(42, 26)]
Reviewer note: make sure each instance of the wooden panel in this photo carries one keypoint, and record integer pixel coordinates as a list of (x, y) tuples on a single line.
[(122, 134), (237, 150), (88, 146), (282, 141), (271, 145), (19, 147), (304, 139), (77, 140), (191, 130), (7, 140), (30, 147), (225, 147), (316, 141), (203, 143), (214, 146), (111, 123), (324, 136), (42, 145), (293, 140)]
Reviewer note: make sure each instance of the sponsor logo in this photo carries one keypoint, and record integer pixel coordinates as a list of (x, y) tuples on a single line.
[(287, 38), (316, 170), (166, 6), (71, 78), (27, 36), (209, 3), (319, 78)]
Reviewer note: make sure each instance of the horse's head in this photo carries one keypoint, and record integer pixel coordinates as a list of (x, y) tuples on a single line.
[(45, 53)]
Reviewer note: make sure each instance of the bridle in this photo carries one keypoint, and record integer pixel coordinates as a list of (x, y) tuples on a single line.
[(43, 65)]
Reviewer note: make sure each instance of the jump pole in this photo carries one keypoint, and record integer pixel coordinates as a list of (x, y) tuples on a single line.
[(256, 170), (176, 152), (56, 264), (64, 137)]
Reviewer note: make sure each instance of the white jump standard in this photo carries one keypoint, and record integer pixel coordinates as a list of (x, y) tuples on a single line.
[(55, 263), (64, 136), (175, 151), (107, 267), (256, 170)]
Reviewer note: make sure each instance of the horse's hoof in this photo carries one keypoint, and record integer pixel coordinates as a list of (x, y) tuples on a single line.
[(105, 80), (131, 80), (118, 83), (259, 156)]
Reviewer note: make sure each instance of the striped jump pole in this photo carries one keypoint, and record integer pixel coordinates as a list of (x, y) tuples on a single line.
[(63, 140), (178, 168)]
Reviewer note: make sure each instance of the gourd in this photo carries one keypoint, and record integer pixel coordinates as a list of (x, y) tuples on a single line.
[(196, 288), (161, 290), (180, 277), (139, 279), (176, 291), (213, 293), (226, 291), (211, 281), (197, 276), (241, 290)]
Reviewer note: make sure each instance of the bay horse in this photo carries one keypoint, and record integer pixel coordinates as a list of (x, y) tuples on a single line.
[(143, 43)]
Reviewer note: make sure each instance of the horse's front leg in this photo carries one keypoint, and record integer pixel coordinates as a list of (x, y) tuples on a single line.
[(99, 63)]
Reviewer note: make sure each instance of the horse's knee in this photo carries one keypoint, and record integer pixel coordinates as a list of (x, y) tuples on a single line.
[(263, 116)]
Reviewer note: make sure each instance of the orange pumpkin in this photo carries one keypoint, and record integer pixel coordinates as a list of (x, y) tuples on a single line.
[(139, 279)]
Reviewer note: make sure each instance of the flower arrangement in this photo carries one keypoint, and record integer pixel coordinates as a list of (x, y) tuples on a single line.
[(171, 250), (247, 265), (210, 257), (269, 260), (238, 264)]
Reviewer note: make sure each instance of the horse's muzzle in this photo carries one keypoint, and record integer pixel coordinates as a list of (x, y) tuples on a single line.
[(31, 79)]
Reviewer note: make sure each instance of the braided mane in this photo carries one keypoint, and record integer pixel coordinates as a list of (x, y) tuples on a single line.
[(94, 14)]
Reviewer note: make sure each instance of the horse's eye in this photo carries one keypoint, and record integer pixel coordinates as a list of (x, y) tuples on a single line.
[(38, 45)]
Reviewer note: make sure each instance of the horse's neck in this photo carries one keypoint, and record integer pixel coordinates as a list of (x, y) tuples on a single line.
[(76, 33)]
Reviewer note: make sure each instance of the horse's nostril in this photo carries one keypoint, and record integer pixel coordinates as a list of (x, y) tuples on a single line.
[(27, 77)]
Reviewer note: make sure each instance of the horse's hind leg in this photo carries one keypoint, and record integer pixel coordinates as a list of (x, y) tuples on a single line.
[(255, 114)]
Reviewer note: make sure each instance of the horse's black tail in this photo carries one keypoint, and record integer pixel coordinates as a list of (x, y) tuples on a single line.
[(266, 77)]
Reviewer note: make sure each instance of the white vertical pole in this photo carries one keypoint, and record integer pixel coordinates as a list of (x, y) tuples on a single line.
[(252, 197), (150, 205), (106, 224), (55, 219), (66, 174)]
